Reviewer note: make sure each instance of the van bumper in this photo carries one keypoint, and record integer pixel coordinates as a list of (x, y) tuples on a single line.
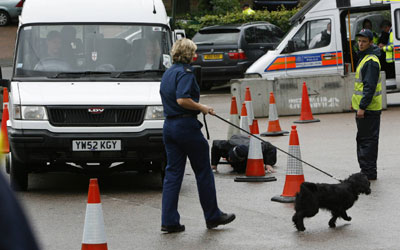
[(42, 148)]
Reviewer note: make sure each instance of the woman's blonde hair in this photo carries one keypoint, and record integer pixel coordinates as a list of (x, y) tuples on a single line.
[(183, 51)]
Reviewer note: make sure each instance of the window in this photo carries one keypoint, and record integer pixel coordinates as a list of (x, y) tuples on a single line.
[(263, 34), (313, 35), (47, 50), (217, 36)]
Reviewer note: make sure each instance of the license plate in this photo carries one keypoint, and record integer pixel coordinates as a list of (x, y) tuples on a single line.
[(213, 57), (96, 145)]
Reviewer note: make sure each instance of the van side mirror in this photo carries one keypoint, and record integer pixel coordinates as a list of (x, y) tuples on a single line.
[(179, 34), (290, 46), (197, 73), (3, 82)]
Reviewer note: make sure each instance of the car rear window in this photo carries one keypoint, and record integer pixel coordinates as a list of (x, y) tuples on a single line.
[(217, 36)]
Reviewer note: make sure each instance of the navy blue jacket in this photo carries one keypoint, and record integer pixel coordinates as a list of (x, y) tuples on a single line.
[(15, 232)]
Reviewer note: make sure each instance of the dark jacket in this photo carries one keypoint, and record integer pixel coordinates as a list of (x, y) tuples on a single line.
[(370, 76), (15, 231), (221, 148)]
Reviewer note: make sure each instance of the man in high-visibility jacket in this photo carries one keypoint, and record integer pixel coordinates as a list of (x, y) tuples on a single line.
[(388, 48), (247, 10), (367, 102)]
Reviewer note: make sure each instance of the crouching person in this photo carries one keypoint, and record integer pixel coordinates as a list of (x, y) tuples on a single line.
[(236, 149)]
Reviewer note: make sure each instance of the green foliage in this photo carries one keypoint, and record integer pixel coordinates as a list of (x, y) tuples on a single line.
[(279, 18), (225, 6)]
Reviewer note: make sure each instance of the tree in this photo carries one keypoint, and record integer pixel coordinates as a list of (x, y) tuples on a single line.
[(225, 6)]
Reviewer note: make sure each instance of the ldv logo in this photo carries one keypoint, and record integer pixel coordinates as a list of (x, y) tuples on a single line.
[(96, 111)]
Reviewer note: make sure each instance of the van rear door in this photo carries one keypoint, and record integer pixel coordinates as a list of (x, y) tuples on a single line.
[(315, 49), (395, 9)]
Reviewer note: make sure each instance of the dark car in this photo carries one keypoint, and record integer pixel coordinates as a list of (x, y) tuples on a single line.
[(274, 4), (225, 52)]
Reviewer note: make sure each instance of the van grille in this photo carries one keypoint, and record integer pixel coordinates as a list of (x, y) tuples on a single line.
[(99, 115)]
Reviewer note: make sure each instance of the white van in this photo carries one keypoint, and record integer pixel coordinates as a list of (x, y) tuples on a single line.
[(305, 52), (84, 94)]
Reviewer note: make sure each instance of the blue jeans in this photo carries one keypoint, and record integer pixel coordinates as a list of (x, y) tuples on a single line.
[(183, 138)]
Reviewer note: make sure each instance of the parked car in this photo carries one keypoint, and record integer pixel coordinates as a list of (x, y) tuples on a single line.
[(9, 10), (274, 4), (225, 52)]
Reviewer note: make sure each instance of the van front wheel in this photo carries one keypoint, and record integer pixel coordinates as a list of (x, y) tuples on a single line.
[(18, 175)]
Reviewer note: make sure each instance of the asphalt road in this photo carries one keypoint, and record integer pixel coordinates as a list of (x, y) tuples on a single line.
[(131, 202)]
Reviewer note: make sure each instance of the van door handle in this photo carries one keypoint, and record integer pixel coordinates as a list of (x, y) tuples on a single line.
[(328, 56), (262, 47)]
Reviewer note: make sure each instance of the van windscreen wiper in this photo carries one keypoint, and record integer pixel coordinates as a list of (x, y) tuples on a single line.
[(136, 73), (79, 74)]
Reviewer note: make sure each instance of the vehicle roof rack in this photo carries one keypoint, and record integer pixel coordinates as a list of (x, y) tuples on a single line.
[(298, 17)]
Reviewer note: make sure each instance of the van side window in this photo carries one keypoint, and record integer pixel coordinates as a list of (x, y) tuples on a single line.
[(313, 35)]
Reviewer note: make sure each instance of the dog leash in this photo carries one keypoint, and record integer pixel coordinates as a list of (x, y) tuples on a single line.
[(206, 127), (283, 151)]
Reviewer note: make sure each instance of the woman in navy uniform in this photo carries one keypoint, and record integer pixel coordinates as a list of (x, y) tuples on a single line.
[(183, 138), (16, 234)]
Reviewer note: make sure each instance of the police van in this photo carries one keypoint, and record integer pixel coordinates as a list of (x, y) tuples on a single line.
[(322, 40), (84, 93)]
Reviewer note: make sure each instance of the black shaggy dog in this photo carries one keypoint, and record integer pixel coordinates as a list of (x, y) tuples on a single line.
[(334, 197)]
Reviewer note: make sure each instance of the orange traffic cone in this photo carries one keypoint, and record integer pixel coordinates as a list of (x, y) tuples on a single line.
[(244, 121), (234, 119), (94, 236), (5, 146), (249, 106), (306, 115), (274, 128), (255, 171), (294, 171)]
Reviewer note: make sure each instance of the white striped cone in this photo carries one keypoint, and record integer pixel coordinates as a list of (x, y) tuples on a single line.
[(233, 119), (255, 160), (249, 106), (274, 128), (94, 235), (294, 170), (244, 121)]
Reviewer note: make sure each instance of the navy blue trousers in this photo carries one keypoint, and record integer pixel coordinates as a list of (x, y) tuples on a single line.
[(183, 138), (15, 232), (367, 143)]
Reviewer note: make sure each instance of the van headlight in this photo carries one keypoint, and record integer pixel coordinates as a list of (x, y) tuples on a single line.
[(30, 113), (154, 113)]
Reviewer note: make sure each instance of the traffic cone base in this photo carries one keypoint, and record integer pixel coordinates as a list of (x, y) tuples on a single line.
[(283, 199), (275, 133), (307, 121), (255, 179)]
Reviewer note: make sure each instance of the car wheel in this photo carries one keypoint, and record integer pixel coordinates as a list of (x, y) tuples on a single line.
[(206, 85), (4, 18), (18, 175)]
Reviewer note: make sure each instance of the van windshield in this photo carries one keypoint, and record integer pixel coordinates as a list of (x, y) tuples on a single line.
[(88, 50)]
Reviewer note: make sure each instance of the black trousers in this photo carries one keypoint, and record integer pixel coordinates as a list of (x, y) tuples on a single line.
[(367, 142)]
